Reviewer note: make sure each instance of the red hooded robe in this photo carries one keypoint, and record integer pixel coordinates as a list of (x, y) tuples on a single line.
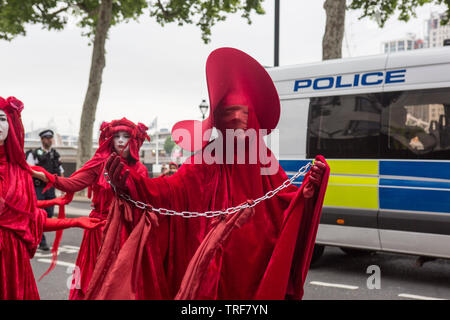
[(266, 258), (21, 221), (91, 175)]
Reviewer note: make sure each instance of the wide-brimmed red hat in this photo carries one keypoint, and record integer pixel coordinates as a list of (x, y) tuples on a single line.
[(233, 78)]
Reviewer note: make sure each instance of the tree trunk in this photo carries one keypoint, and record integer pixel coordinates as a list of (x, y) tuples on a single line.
[(84, 151), (334, 29)]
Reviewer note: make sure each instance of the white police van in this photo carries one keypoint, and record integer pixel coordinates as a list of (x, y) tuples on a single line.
[(383, 124)]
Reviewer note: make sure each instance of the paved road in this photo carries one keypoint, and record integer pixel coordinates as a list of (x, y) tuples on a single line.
[(77, 209), (336, 276), (54, 285), (339, 276)]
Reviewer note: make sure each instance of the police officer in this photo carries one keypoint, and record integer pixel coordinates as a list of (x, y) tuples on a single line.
[(48, 158)]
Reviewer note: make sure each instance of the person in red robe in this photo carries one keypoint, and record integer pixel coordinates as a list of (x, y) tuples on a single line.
[(125, 138), (21, 221), (173, 167), (257, 252)]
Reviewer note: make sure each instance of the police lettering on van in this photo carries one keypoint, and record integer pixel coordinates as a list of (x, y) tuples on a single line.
[(354, 80)]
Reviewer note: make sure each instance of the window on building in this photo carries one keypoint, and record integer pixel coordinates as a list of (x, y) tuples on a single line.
[(392, 46), (401, 45), (386, 47), (410, 45), (418, 44)]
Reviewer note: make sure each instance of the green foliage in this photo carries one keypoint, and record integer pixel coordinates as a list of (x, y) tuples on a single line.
[(169, 145), (382, 10), (203, 13), (54, 14)]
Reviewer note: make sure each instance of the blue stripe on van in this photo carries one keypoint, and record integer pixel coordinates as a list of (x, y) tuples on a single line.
[(428, 169), (292, 165), (415, 184), (414, 200)]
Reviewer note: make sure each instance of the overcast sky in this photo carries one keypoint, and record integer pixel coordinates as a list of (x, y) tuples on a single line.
[(160, 71)]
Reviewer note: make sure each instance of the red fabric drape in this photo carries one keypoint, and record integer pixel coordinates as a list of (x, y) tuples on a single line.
[(125, 258), (21, 221), (196, 273)]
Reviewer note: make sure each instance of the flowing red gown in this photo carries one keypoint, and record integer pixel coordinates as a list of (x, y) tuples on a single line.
[(20, 232), (92, 239), (267, 258)]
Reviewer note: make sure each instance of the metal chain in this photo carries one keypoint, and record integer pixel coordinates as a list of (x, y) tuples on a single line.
[(210, 214)]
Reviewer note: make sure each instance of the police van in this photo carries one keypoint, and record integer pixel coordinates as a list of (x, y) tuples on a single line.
[(383, 124)]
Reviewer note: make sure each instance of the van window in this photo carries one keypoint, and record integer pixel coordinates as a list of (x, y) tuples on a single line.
[(292, 133), (393, 125), (415, 124), (345, 126)]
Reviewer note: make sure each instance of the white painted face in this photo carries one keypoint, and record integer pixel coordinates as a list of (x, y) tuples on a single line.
[(4, 127), (121, 138)]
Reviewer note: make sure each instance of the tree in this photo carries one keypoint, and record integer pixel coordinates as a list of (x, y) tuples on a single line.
[(380, 11), (96, 17), (168, 145), (334, 29)]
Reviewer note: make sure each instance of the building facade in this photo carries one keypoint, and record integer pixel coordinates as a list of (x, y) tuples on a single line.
[(410, 42), (436, 33)]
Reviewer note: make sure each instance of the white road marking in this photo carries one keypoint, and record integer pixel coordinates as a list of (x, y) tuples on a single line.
[(335, 285), (42, 255), (65, 249), (413, 296), (59, 263), (68, 247)]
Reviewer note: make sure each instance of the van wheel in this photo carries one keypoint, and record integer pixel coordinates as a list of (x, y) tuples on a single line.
[(317, 253), (353, 252)]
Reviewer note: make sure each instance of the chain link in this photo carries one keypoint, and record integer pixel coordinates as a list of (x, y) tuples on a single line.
[(209, 214)]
